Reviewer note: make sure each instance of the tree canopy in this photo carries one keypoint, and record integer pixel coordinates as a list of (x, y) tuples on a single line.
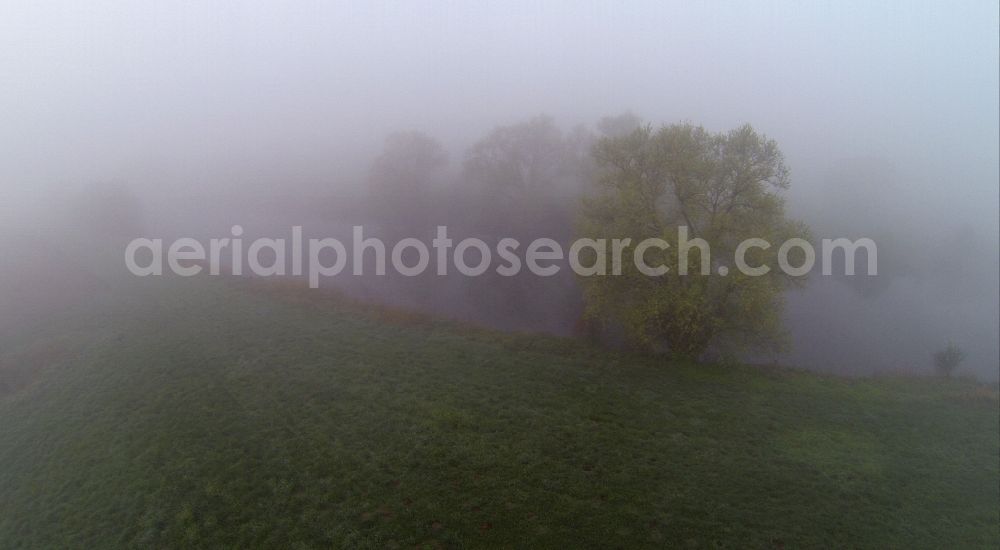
[(723, 188)]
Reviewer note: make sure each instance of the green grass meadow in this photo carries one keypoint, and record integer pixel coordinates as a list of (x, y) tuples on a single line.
[(227, 414)]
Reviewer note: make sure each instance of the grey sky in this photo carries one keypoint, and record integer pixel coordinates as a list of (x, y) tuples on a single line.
[(117, 88)]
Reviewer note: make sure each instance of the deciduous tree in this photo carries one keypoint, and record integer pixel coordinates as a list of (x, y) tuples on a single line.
[(722, 188)]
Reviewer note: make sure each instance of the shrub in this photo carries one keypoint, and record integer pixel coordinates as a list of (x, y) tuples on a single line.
[(948, 359)]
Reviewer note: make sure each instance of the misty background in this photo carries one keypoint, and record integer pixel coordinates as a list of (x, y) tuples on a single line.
[(120, 120)]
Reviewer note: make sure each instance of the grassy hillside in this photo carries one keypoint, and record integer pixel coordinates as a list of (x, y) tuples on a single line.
[(212, 413)]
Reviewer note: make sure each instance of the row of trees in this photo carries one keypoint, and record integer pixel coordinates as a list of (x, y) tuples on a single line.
[(513, 174), (624, 180), (621, 179)]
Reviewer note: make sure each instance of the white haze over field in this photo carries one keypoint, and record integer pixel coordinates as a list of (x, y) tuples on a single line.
[(887, 113)]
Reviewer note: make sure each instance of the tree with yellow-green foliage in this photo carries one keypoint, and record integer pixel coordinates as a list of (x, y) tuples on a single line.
[(722, 188)]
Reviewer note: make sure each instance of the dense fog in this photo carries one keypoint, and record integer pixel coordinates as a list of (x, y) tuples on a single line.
[(124, 120)]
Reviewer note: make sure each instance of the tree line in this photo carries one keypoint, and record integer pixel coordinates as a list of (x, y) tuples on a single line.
[(624, 178)]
